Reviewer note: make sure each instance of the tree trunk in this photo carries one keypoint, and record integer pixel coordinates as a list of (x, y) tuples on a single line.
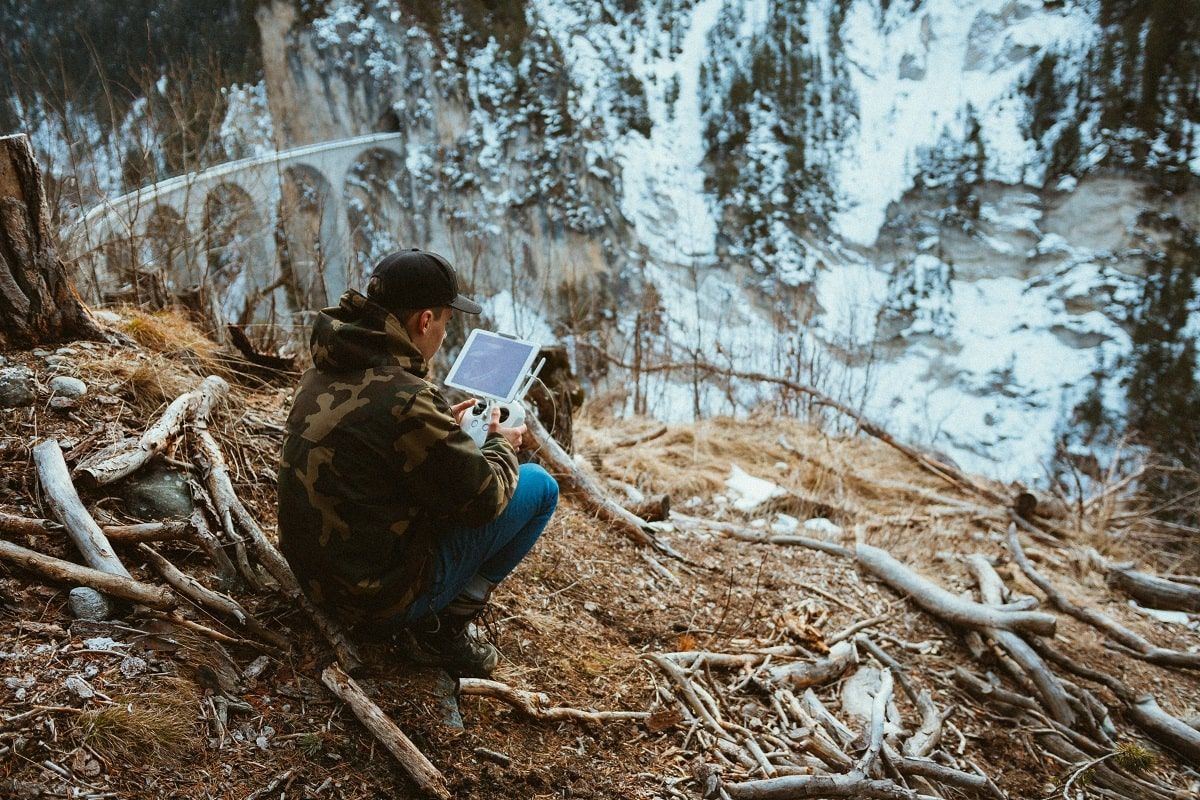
[(38, 301)]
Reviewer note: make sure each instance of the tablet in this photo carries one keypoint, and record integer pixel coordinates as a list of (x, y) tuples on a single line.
[(492, 366)]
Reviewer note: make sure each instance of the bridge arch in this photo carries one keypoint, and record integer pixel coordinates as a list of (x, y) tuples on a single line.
[(379, 207), (168, 249), (310, 217), (232, 217), (239, 254)]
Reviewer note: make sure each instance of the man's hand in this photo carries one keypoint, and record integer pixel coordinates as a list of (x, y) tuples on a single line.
[(513, 435), (459, 410)]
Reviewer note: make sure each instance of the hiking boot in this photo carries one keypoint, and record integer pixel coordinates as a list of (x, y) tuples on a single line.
[(448, 641)]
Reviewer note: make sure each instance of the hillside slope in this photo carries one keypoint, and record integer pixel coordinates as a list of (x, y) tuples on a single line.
[(580, 620)]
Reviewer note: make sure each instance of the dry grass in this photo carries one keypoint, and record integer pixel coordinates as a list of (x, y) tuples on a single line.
[(174, 355), (169, 331), (159, 725)]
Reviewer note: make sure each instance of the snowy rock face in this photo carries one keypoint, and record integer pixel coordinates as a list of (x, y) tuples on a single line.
[(953, 214)]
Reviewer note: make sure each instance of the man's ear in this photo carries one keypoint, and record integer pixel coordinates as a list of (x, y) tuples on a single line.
[(424, 320)]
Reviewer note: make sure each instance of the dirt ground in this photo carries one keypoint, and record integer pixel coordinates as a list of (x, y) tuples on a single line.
[(576, 621)]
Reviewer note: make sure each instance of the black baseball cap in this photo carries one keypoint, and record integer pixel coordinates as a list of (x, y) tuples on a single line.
[(417, 279)]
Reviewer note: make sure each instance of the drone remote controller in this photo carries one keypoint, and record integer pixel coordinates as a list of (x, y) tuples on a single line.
[(495, 369), (475, 421)]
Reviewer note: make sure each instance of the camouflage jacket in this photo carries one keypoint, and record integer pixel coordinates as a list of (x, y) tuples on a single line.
[(374, 466)]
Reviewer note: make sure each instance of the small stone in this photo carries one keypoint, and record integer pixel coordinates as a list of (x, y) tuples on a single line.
[(41, 352), (16, 387), (132, 666), (826, 528), (3, 361), (64, 386), (101, 643), (88, 604), (20, 683), (106, 317), (256, 668), (79, 687), (58, 361), (63, 404), (65, 351)]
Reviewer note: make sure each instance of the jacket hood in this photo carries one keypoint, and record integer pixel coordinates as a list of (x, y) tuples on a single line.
[(357, 334)]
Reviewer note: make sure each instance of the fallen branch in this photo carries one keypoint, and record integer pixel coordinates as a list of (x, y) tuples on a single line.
[(418, 767), (124, 458), (69, 510), (801, 674), (13, 525), (924, 768), (1156, 592), (642, 438), (1051, 690), (762, 537), (536, 705), (271, 364), (1165, 729), (883, 696), (944, 605), (200, 594), (854, 784), (233, 512), (58, 571), (147, 532), (1145, 711), (1138, 645), (574, 482), (927, 737)]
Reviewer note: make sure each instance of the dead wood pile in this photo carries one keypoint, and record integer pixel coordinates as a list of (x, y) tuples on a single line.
[(853, 713)]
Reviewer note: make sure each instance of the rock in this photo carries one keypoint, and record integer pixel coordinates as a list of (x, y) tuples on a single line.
[(58, 361), (41, 352), (132, 666), (827, 529), (256, 668), (101, 643), (19, 683), (16, 387), (911, 69), (64, 386), (106, 317), (79, 687), (63, 404), (88, 604), (3, 361), (65, 351), (157, 494)]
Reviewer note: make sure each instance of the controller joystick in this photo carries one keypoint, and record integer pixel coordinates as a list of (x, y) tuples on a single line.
[(475, 423)]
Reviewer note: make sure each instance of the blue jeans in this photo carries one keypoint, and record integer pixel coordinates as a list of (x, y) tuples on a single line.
[(491, 551)]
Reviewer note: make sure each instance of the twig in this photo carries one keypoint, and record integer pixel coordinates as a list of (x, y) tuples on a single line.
[(537, 704), (214, 601), (59, 571), (418, 767), (943, 604), (1142, 648)]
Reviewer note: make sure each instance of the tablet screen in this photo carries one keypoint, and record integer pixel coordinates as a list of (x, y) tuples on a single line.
[(491, 365)]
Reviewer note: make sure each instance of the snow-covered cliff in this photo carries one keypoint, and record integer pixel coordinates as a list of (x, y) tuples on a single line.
[(956, 213)]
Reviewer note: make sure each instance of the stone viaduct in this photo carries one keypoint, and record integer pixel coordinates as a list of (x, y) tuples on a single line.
[(227, 227)]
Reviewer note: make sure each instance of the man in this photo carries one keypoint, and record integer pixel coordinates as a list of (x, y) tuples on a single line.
[(388, 511)]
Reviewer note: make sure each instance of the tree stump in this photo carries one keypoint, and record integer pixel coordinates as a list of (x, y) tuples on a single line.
[(38, 301)]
